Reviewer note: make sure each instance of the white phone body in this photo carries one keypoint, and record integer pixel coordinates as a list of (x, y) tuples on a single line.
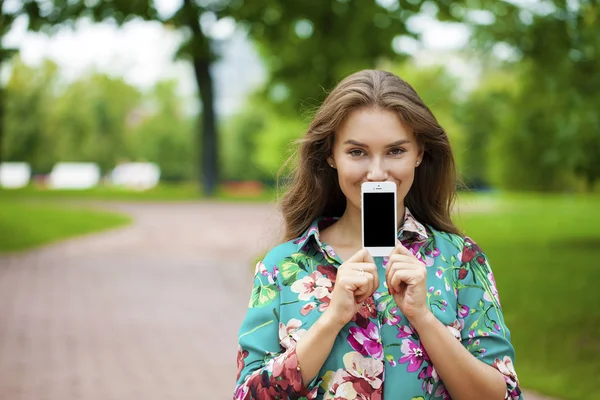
[(379, 217)]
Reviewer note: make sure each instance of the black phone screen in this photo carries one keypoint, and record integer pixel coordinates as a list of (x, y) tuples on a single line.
[(378, 220)]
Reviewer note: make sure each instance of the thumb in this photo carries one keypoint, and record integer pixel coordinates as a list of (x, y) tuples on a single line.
[(361, 256)]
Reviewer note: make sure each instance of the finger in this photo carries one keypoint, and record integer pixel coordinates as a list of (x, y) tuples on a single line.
[(354, 283), (403, 258), (400, 261), (360, 256), (410, 277), (369, 258), (357, 266), (400, 249), (363, 289), (370, 288), (406, 263), (372, 282), (372, 269)]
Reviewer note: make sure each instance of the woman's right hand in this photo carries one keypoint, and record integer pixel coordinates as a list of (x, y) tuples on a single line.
[(352, 287)]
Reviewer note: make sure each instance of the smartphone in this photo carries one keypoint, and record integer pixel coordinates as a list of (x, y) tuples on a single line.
[(379, 217)]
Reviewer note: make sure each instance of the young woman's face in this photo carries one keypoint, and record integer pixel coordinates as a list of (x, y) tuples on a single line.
[(374, 145)]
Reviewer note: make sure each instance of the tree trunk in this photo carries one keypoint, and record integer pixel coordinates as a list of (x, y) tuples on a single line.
[(207, 129)]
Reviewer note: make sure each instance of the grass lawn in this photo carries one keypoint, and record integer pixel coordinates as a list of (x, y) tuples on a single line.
[(31, 224), (545, 253), (162, 193)]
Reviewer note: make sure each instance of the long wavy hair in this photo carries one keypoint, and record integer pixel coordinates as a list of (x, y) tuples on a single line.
[(314, 190)]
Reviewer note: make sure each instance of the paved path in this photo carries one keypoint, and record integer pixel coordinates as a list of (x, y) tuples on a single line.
[(150, 311)]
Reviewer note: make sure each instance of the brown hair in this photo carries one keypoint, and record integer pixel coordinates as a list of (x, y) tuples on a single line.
[(315, 191)]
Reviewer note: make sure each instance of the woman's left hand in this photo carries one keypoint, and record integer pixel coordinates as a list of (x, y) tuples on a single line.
[(406, 279)]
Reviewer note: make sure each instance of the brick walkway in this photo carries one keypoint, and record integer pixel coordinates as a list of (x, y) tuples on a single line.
[(148, 312)]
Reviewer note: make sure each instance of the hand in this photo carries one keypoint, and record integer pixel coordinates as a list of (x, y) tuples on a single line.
[(352, 287), (406, 279)]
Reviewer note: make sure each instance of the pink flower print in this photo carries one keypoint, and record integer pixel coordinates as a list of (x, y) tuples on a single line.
[(391, 360), (340, 385), (455, 329), (324, 303), (434, 253), (241, 355), (330, 251), (414, 248), (241, 392), (506, 368), (404, 331), (429, 261), (493, 288), (290, 334), (426, 375), (366, 341), (439, 273), (314, 284), (431, 289), (414, 355), (442, 392), (367, 369), (463, 311), (308, 307), (468, 253), (260, 268)]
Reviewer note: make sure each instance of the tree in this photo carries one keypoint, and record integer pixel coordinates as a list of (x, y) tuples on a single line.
[(198, 48), (27, 96), (313, 44), (556, 46), (163, 134)]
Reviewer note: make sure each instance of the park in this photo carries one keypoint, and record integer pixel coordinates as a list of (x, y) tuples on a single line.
[(132, 215)]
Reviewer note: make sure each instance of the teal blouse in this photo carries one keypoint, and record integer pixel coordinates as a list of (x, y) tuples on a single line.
[(378, 354)]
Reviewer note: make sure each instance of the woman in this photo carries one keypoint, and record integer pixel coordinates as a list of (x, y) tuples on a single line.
[(325, 319)]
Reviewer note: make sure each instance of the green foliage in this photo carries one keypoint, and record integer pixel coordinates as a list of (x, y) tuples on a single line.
[(544, 252), (26, 225), (553, 133), (27, 96), (96, 118), (486, 115), (313, 44), (166, 136), (258, 141)]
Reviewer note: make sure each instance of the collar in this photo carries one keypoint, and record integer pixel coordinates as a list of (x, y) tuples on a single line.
[(410, 228)]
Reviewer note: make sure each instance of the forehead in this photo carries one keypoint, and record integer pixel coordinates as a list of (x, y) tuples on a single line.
[(373, 126)]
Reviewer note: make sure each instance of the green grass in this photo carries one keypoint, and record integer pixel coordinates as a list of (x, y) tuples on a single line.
[(27, 225), (161, 193), (545, 253)]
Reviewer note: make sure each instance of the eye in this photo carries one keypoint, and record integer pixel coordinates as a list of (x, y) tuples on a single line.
[(356, 153), (397, 151)]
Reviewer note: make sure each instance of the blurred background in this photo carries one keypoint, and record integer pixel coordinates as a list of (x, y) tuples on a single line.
[(161, 126)]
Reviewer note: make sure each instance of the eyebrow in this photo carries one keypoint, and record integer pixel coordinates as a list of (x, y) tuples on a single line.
[(396, 143)]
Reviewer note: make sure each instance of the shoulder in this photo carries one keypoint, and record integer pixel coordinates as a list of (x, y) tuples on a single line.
[(452, 243), (446, 240)]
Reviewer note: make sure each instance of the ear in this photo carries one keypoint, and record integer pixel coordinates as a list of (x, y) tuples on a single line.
[(331, 162), (420, 155)]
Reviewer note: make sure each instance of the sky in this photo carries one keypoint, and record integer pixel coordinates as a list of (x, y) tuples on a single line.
[(143, 53)]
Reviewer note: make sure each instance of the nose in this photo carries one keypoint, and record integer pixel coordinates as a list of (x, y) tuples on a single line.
[(377, 171)]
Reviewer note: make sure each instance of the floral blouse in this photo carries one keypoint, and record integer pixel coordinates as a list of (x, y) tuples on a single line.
[(378, 354)]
